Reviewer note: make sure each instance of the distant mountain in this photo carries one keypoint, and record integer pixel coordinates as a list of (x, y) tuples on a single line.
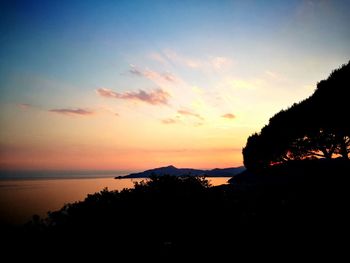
[(172, 170)]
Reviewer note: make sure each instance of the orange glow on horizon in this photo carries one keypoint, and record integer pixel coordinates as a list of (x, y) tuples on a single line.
[(128, 160)]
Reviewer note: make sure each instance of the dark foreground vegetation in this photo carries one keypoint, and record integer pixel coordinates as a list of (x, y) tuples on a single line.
[(288, 203), (284, 210)]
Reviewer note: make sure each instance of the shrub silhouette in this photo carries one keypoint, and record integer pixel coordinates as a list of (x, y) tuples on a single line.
[(172, 216), (316, 127)]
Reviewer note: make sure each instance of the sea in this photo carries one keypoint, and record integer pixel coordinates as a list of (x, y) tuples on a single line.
[(24, 194)]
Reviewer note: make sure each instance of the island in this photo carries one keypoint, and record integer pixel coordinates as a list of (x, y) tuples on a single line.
[(173, 171)]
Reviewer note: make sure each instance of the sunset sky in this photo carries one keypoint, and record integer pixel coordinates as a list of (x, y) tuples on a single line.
[(142, 84)]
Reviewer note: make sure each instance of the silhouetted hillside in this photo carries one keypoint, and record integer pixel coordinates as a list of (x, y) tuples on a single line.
[(300, 171), (172, 170)]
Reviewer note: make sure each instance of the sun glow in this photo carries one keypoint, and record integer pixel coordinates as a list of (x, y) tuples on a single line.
[(159, 88)]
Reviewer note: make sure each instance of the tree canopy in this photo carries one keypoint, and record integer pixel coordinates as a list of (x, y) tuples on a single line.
[(317, 127)]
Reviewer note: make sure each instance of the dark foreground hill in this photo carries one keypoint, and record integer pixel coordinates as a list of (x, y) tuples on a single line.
[(172, 170), (296, 210)]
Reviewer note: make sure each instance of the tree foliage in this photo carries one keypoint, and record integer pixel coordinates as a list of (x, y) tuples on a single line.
[(317, 127)]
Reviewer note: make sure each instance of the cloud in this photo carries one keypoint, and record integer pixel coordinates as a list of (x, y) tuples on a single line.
[(154, 97), (169, 77), (216, 63), (192, 123), (153, 75), (107, 93), (73, 112), (156, 76), (108, 110), (157, 57), (274, 75), (221, 63), (24, 106), (169, 121), (229, 116), (175, 57), (190, 113), (135, 71)]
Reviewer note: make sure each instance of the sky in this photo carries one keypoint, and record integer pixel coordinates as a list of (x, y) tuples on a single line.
[(115, 85)]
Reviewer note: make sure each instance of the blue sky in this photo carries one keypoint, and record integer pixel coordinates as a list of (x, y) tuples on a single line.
[(245, 58)]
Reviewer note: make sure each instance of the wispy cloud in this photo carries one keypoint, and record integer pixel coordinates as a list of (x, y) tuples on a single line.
[(153, 75), (274, 75), (24, 106), (108, 93), (219, 63), (229, 116), (72, 112), (174, 57), (154, 97), (133, 70), (108, 110), (210, 62), (157, 57), (193, 123), (169, 121), (190, 113)]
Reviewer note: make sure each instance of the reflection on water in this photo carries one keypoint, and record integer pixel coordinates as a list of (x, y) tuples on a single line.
[(20, 199)]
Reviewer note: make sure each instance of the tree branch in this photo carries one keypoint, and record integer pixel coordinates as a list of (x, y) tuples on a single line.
[(316, 154), (347, 141)]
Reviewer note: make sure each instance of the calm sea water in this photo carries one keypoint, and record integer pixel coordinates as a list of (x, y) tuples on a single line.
[(22, 198)]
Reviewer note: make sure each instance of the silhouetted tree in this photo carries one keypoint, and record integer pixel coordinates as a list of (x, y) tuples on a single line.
[(316, 127)]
